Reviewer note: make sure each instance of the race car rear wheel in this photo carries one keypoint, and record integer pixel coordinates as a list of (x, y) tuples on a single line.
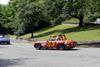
[(38, 46), (61, 47)]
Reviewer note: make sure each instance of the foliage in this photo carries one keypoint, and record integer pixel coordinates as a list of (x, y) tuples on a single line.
[(93, 10), (76, 9), (53, 9), (26, 16)]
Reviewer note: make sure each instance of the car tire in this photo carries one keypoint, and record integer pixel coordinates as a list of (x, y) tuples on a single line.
[(61, 47), (38, 46), (8, 42)]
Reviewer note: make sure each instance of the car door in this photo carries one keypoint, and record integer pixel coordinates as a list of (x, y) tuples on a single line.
[(51, 43)]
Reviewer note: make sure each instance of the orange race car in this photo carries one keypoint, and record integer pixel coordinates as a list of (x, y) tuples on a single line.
[(55, 42)]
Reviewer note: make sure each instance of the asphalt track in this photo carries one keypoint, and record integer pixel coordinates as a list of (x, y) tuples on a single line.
[(22, 54)]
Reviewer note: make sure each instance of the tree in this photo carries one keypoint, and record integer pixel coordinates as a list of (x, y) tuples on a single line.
[(0, 16), (53, 10), (93, 10), (76, 9), (28, 17), (24, 16)]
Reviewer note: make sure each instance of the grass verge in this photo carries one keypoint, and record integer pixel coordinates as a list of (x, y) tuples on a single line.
[(72, 32)]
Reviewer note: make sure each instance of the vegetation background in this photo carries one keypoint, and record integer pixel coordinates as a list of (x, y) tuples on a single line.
[(42, 18)]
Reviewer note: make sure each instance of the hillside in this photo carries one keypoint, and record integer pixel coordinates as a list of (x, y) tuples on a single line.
[(72, 32)]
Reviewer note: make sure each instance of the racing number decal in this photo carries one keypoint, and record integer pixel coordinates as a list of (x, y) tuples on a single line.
[(51, 44)]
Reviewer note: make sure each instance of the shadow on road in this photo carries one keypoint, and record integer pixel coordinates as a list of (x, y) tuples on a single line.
[(72, 49), (11, 62), (62, 50), (5, 44)]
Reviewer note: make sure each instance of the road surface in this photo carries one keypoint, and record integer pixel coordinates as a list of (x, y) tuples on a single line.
[(22, 54)]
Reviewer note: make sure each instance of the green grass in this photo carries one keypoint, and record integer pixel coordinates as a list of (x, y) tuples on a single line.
[(72, 32), (12, 36), (73, 20)]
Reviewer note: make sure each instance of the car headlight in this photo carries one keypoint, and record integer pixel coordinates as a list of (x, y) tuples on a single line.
[(65, 43)]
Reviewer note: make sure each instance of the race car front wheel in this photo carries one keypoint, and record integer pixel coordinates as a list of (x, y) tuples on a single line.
[(38, 46), (61, 47)]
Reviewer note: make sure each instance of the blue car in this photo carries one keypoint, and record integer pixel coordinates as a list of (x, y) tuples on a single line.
[(4, 40)]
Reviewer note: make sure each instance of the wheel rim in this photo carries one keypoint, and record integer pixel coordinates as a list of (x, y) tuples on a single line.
[(61, 47), (38, 46)]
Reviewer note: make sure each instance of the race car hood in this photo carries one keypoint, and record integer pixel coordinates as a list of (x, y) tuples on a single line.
[(70, 41), (39, 42)]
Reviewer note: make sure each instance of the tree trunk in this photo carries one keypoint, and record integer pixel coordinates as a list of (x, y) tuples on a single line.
[(81, 22), (32, 35)]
